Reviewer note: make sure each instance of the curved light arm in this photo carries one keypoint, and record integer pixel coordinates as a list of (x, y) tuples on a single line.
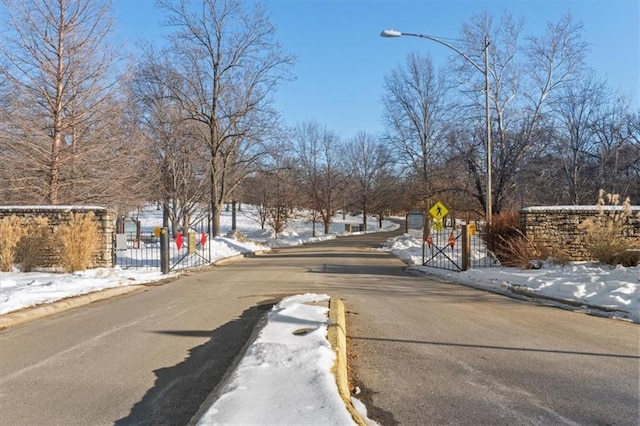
[(485, 71), (393, 33)]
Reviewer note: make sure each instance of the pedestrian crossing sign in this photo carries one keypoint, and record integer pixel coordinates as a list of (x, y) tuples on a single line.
[(438, 211)]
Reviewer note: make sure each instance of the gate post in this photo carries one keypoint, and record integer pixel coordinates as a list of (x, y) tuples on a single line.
[(233, 216), (466, 248), (425, 235), (164, 250)]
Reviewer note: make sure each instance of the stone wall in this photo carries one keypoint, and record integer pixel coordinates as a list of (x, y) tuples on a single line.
[(58, 215), (558, 227)]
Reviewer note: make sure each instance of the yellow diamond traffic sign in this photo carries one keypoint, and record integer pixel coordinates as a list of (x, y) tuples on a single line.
[(438, 211)]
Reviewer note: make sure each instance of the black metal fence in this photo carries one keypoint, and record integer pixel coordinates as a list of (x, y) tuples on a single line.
[(143, 251), (457, 249), (134, 252), (190, 251)]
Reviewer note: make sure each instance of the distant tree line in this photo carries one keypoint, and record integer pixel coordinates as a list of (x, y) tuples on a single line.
[(192, 125)]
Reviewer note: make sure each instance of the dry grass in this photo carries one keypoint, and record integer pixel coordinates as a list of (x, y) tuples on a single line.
[(560, 257), (521, 252), (604, 237), (11, 231), (77, 241), (505, 227), (630, 257), (515, 249), (35, 243)]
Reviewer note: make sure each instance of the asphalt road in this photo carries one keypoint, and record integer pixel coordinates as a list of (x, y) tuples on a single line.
[(422, 351)]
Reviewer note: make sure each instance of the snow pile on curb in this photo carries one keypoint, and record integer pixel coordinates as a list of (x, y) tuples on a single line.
[(285, 376)]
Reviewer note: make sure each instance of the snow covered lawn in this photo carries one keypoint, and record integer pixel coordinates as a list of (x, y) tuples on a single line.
[(612, 291)]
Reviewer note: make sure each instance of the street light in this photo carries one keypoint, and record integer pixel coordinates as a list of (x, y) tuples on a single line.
[(485, 71)]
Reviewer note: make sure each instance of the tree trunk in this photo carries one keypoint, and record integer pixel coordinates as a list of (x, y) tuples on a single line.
[(216, 200), (54, 169), (364, 216), (216, 210), (233, 216)]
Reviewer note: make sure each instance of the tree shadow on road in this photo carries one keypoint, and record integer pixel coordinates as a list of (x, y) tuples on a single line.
[(180, 390)]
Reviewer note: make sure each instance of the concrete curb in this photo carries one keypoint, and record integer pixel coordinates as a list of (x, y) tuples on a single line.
[(22, 316), (337, 336), (32, 313), (226, 260)]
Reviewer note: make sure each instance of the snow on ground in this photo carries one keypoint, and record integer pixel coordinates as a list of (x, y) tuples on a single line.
[(279, 358), (20, 290), (612, 291), (614, 288), (290, 352)]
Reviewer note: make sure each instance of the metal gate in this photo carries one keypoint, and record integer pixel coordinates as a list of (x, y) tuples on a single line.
[(191, 248), (457, 249), (139, 248), (134, 247)]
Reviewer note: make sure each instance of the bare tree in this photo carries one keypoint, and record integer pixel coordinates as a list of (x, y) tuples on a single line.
[(180, 172), (66, 122), (592, 147), (524, 81), (258, 194), (575, 143), (318, 155), (370, 168), (633, 154), (273, 194), (417, 118), (228, 63), (618, 148)]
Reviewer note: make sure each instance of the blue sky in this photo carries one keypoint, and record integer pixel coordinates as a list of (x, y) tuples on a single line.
[(342, 59)]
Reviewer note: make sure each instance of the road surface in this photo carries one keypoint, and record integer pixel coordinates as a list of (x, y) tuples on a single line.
[(423, 351)]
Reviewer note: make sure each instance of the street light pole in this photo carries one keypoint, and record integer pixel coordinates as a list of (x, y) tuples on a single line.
[(485, 71), (487, 116)]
